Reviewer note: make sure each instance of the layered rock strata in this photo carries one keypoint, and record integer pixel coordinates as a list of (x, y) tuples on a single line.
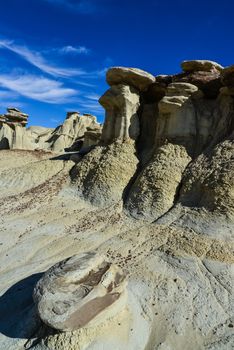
[(14, 115), (81, 291)]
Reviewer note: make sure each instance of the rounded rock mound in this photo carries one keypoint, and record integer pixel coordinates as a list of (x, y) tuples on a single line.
[(82, 290), (135, 77)]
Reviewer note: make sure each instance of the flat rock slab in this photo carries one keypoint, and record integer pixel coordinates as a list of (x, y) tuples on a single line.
[(129, 76), (82, 290), (200, 65)]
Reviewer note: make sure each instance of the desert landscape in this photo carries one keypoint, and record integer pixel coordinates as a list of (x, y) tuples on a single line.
[(119, 236)]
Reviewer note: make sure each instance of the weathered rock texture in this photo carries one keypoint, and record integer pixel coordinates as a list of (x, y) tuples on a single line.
[(80, 291), (14, 115), (170, 121), (208, 182), (103, 175), (73, 129), (129, 76), (69, 135), (156, 187), (121, 103), (200, 65)]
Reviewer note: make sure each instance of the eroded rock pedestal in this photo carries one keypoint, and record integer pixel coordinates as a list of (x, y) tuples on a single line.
[(80, 291), (70, 135), (167, 124), (12, 129)]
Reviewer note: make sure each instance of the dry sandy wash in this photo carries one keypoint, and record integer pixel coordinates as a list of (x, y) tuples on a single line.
[(179, 281)]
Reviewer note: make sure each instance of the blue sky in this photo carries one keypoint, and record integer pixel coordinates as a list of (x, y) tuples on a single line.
[(54, 53)]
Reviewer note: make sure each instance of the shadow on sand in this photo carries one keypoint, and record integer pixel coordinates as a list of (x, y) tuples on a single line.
[(18, 318)]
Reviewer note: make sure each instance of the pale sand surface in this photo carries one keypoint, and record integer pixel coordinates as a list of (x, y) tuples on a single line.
[(180, 290)]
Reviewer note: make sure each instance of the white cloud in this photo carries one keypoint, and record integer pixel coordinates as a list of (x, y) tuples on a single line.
[(37, 88), (37, 60), (92, 96), (69, 49)]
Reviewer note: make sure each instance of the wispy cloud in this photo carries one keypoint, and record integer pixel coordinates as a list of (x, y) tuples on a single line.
[(37, 88), (50, 84), (37, 60), (69, 49), (92, 96)]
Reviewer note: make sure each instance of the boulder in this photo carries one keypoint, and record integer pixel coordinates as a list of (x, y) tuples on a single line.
[(121, 103), (200, 65), (137, 78), (83, 290)]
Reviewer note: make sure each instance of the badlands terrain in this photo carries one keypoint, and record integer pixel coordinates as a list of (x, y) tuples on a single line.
[(144, 208)]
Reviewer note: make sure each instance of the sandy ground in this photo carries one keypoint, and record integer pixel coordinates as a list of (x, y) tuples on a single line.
[(180, 282)]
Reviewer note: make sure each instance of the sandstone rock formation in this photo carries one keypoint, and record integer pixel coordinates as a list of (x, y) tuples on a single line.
[(73, 128), (14, 115), (200, 65), (12, 129), (80, 291), (175, 176), (102, 176), (170, 121), (92, 136), (156, 187), (129, 76), (208, 182), (121, 103), (69, 135)]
